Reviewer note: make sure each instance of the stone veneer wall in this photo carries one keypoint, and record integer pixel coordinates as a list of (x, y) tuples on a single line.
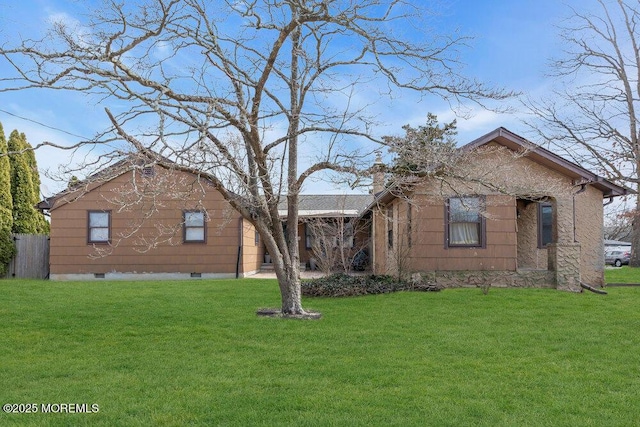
[(498, 279), (564, 261), (589, 233), (529, 255)]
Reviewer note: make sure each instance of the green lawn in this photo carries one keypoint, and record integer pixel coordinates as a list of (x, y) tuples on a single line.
[(194, 353), (622, 275)]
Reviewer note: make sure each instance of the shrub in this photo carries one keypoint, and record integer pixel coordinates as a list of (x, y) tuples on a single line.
[(7, 251), (342, 285)]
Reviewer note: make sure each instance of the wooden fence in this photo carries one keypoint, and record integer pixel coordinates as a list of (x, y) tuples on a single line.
[(32, 257)]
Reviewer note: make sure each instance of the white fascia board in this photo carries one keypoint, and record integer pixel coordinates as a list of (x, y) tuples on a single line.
[(321, 213)]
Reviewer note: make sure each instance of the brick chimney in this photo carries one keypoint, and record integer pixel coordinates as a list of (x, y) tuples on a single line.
[(378, 174)]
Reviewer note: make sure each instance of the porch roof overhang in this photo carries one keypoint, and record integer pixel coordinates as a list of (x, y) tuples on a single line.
[(328, 205), (322, 213)]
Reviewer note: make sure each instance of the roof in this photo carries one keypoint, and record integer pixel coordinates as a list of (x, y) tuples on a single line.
[(549, 159), (539, 155), (329, 204), (129, 162), (616, 243)]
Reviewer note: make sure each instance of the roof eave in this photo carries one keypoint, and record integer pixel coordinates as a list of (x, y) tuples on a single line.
[(541, 155)]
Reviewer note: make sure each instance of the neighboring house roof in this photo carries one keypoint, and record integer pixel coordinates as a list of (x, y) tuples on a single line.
[(616, 243), (325, 205), (539, 155)]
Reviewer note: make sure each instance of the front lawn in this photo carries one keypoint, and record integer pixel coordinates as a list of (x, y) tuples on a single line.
[(623, 274), (195, 353)]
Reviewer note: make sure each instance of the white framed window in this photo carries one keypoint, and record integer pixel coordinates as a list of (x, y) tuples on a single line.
[(195, 230), (465, 223), (98, 227)]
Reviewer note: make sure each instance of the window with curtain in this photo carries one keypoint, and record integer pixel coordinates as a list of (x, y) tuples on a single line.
[(99, 227), (465, 223), (194, 226)]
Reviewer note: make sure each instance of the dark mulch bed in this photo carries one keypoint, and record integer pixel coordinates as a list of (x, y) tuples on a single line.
[(343, 285), (274, 312)]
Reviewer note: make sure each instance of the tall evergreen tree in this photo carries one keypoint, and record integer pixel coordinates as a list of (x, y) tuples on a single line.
[(7, 248), (24, 214), (42, 224)]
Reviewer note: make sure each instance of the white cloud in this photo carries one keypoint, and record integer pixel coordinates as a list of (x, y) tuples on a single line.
[(72, 26)]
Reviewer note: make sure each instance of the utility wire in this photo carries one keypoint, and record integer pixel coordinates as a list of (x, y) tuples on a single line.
[(44, 125)]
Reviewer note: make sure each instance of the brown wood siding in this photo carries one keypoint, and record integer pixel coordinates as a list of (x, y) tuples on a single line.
[(252, 254), (70, 253), (428, 251)]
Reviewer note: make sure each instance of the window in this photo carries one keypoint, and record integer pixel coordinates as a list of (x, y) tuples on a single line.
[(194, 227), (256, 237), (348, 240), (329, 233), (308, 236), (99, 227), (545, 224), (465, 223)]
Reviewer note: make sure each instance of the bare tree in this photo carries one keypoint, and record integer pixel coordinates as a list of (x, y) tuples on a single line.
[(234, 90), (592, 115), (400, 241), (430, 152), (617, 225), (339, 241)]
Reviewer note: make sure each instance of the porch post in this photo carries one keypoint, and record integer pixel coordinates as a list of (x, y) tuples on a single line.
[(564, 254)]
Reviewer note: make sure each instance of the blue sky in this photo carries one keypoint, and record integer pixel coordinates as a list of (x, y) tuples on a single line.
[(514, 40)]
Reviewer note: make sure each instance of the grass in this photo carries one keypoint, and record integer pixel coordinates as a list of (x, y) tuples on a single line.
[(195, 353), (623, 274)]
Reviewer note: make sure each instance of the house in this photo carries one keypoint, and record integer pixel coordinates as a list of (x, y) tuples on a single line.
[(617, 245), (136, 220), (514, 214)]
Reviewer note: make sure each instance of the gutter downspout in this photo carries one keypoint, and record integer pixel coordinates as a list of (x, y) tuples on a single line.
[(239, 257), (373, 241), (583, 188)]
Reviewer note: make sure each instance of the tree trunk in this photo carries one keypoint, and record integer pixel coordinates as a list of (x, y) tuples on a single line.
[(288, 274), (291, 294), (635, 236)]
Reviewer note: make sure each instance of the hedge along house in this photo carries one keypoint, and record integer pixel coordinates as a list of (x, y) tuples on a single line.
[(137, 220), (516, 214)]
